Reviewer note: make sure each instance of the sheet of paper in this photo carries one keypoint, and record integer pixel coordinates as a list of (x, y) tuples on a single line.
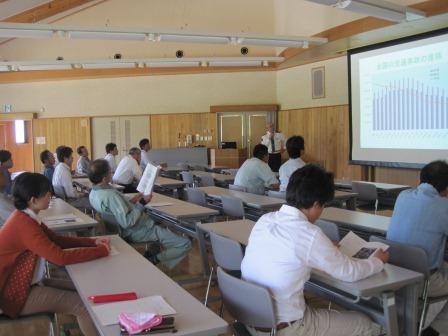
[(159, 204), (113, 251), (148, 178), (108, 313), (62, 219)]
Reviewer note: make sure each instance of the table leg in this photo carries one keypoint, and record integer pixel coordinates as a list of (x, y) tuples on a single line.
[(390, 313), (203, 250), (411, 309)]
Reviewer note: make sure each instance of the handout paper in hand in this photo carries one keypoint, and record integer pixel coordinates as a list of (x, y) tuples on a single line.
[(148, 179), (356, 247)]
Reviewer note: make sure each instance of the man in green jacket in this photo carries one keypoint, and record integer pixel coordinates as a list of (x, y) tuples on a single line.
[(135, 224)]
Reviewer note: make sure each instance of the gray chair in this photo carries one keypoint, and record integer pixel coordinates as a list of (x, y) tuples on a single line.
[(277, 194), (237, 187), (413, 258), (330, 229), (228, 254), (196, 196), (38, 324), (188, 177), (207, 181), (232, 206), (250, 304), (183, 166), (367, 194)]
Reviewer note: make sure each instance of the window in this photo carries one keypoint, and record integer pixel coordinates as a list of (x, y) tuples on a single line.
[(19, 126)]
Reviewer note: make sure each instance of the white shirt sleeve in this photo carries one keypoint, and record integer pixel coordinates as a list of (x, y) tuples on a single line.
[(326, 257), (136, 171), (265, 140), (267, 175)]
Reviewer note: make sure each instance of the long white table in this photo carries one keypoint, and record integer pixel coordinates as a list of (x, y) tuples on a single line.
[(86, 185), (347, 184), (128, 271), (221, 179), (58, 208), (382, 285)]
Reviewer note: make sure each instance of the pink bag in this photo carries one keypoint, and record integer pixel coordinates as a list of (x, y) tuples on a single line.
[(135, 323)]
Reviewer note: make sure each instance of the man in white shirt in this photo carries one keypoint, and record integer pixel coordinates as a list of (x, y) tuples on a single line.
[(62, 179), (83, 164), (284, 246), (111, 153), (275, 142), (255, 173), (128, 172), (145, 146), (295, 146)]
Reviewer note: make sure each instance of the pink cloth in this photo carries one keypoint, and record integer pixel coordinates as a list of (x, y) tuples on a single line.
[(135, 323)]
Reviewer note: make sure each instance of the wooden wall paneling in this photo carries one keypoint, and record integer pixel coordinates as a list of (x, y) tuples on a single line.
[(165, 128), (22, 154), (399, 176), (71, 132)]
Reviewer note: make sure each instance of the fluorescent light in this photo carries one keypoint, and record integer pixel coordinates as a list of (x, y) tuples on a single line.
[(93, 35), (4, 68), (25, 33), (234, 63), (376, 8), (179, 64), (194, 39), (36, 67), (111, 65), (274, 43)]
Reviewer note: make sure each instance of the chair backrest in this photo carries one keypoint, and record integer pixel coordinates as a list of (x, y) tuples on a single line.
[(248, 303), (411, 257), (366, 191), (228, 253), (111, 224), (196, 196), (277, 194), (207, 181), (59, 191), (187, 177), (232, 206), (237, 187), (330, 229)]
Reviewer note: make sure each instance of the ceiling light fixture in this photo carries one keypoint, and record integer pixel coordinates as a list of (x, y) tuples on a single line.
[(13, 30), (376, 8)]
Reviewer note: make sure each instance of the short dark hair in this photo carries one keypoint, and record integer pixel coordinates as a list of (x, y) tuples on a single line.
[(143, 142), (436, 174), (79, 149), (260, 151), (63, 152), (294, 146), (309, 184), (5, 155), (98, 170), (110, 147), (45, 156), (28, 185)]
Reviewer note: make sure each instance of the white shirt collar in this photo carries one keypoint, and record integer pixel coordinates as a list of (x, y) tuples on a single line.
[(32, 214), (66, 166), (292, 211)]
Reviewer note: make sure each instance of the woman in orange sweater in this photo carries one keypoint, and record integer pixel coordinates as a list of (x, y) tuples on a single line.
[(25, 244)]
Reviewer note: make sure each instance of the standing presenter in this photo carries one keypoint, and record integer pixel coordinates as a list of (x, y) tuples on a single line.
[(276, 146)]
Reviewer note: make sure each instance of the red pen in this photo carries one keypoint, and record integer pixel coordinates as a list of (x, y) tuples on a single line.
[(113, 297)]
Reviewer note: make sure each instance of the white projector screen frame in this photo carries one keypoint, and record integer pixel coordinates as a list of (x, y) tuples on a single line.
[(377, 86)]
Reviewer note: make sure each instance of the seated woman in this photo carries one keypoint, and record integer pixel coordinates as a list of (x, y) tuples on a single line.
[(25, 244)]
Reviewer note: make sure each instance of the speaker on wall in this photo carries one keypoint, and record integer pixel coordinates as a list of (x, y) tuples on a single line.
[(318, 82)]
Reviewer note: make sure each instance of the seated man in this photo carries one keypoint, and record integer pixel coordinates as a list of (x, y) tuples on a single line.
[(6, 203), (6, 164), (145, 147), (62, 179), (255, 173), (295, 147), (83, 164), (48, 160), (128, 172), (111, 153), (285, 245), (420, 218), (136, 225)]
